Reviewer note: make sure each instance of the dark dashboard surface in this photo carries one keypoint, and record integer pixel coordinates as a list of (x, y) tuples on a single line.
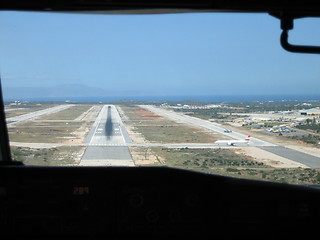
[(148, 203)]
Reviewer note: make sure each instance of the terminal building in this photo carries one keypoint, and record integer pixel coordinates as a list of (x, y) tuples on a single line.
[(312, 111)]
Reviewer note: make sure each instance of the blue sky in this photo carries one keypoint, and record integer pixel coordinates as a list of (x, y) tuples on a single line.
[(171, 54)]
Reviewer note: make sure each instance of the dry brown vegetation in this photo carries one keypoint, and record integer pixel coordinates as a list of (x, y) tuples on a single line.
[(158, 129)]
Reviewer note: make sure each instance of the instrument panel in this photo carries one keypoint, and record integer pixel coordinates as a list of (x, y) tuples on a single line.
[(144, 202)]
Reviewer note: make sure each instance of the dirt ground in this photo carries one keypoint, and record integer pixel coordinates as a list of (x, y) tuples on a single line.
[(135, 136), (68, 131), (140, 155), (144, 156), (90, 115), (79, 135), (148, 115)]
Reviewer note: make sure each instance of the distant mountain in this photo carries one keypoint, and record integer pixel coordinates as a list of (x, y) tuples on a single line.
[(67, 91)]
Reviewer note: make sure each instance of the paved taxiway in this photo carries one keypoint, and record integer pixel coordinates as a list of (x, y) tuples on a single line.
[(297, 156), (107, 141), (215, 127)]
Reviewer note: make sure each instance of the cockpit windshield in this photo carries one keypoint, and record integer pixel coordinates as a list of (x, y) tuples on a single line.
[(209, 92)]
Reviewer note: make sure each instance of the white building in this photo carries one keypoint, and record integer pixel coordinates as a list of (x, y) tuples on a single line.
[(312, 111)]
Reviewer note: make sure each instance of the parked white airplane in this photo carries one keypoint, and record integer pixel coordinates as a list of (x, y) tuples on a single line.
[(233, 142)]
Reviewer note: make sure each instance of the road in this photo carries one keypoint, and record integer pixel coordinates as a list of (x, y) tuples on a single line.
[(107, 141), (294, 155), (36, 114)]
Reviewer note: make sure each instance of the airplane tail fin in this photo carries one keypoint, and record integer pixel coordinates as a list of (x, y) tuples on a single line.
[(248, 139)]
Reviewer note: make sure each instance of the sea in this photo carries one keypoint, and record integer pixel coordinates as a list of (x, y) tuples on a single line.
[(198, 98)]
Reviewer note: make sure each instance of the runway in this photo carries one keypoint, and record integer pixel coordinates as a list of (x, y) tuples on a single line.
[(215, 127), (36, 114), (107, 141), (297, 156)]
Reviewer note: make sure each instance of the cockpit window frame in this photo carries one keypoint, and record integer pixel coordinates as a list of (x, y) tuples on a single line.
[(5, 154)]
